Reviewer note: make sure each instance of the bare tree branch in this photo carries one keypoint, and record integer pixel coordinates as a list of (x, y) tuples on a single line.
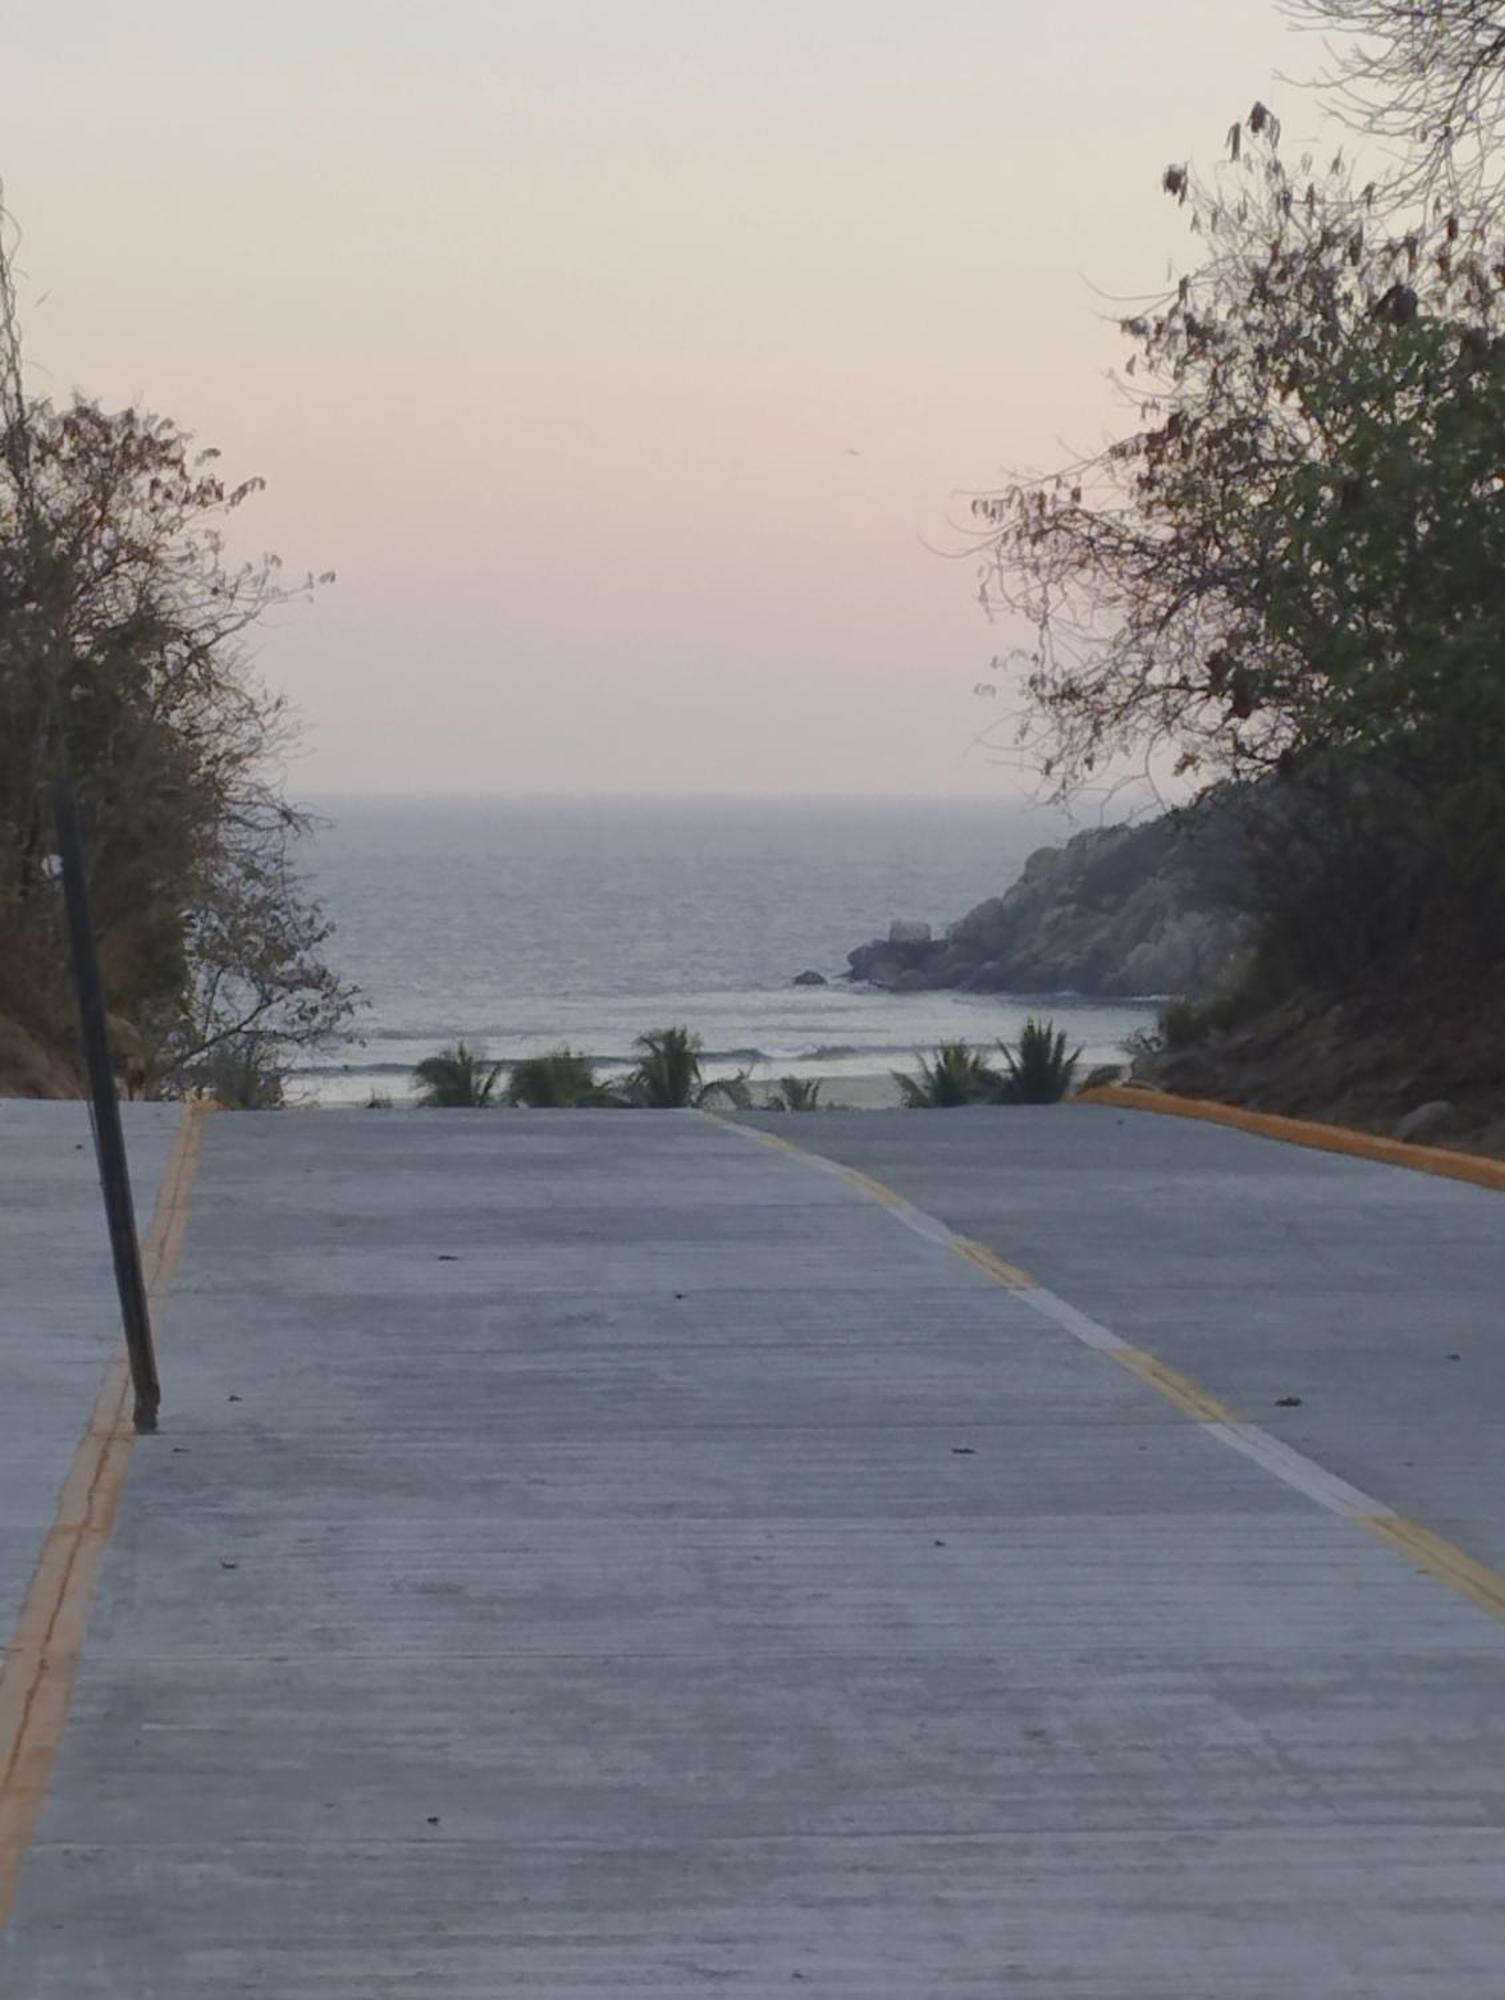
[(1427, 77)]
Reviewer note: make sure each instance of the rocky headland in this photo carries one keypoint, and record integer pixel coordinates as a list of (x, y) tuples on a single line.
[(1118, 912), (1154, 910)]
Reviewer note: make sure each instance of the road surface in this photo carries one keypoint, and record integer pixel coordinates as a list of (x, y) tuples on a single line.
[(595, 1554)]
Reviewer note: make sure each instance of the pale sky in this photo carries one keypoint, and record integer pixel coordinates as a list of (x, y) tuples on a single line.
[(621, 356)]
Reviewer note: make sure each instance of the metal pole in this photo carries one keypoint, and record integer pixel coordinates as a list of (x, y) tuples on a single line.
[(109, 1137)]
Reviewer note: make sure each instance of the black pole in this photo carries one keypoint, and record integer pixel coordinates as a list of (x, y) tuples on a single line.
[(109, 1137)]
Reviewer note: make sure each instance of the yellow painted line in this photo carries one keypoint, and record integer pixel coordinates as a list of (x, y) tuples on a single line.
[(763, 1138), (996, 1267), (1442, 1559), (1347, 1139), (875, 1190), (1189, 1397), (41, 1662), (755, 1133)]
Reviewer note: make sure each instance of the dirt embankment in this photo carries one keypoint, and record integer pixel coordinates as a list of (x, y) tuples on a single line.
[(1423, 1065), (30, 1067)]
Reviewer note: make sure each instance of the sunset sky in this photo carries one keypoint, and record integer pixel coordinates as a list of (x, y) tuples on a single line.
[(627, 359)]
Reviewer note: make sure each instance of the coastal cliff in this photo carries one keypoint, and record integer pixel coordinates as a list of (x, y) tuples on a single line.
[(1117, 912)]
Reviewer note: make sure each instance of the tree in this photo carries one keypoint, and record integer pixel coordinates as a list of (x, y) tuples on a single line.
[(1289, 565), (123, 634), (1428, 77)]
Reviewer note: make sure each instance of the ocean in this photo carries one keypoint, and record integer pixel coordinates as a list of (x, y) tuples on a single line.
[(523, 924)]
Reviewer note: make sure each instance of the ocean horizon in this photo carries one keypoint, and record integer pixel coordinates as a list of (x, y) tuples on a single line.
[(520, 924)]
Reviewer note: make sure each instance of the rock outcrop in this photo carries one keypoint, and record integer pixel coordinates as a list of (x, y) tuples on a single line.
[(1118, 912)]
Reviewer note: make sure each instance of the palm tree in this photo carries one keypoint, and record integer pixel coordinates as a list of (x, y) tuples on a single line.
[(954, 1075), (456, 1078), (668, 1072), (560, 1078), (668, 1077), (1041, 1072)]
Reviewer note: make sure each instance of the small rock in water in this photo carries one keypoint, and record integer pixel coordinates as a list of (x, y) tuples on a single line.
[(810, 979)]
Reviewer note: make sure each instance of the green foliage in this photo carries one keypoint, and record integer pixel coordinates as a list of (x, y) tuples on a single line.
[(952, 1075), (457, 1078), (796, 1093), (1288, 568), (668, 1076), (124, 625), (562, 1079), (1185, 1022), (1039, 1071)]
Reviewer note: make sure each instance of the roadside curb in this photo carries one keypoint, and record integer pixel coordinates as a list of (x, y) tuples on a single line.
[(39, 1665), (1304, 1132)]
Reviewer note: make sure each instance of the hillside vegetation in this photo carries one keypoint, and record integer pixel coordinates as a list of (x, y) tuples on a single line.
[(1288, 570), (124, 624)]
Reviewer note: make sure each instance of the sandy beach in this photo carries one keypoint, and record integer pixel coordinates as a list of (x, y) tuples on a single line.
[(876, 1091)]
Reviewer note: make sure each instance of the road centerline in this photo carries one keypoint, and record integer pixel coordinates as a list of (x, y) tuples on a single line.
[(1427, 1550)]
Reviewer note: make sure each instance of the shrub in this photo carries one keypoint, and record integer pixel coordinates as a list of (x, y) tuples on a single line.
[(457, 1078), (1183, 1023), (559, 1080), (796, 1093), (668, 1077), (244, 1072), (1040, 1071), (1180, 1025), (1142, 1045), (953, 1075)]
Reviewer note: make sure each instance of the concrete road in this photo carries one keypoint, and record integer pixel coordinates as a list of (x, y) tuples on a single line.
[(596, 1554), (1356, 1310), (59, 1320)]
